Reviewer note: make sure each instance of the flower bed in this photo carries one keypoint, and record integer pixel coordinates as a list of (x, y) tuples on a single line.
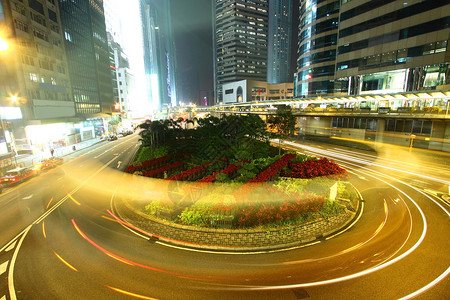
[(264, 176), (314, 168), (283, 190), (189, 173), (147, 163), (273, 169), (159, 171), (227, 171), (262, 213)]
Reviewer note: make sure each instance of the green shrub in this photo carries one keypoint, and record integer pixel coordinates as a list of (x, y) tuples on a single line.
[(331, 209), (346, 191), (213, 207), (145, 153), (319, 186), (291, 185)]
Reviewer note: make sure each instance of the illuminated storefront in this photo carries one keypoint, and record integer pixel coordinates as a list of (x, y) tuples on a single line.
[(42, 138), (7, 117)]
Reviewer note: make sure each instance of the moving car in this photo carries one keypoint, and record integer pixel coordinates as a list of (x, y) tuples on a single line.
[(16, 175), (47, 164)]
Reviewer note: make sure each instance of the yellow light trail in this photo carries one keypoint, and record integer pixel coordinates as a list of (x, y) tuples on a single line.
[(64, 262), (43, 230), (48, 204), (109, 219), (131, 294), (76, 202)]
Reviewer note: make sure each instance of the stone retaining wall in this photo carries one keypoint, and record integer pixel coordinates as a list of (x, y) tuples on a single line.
[(229, 239)]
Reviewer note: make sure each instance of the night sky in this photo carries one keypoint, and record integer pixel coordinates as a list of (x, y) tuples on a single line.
[(192, 27)]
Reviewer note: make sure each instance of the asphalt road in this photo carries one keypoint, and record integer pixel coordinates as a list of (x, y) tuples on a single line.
[(58, 240)]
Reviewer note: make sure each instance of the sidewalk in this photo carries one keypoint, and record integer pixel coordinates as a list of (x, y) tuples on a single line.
[(28, 160)]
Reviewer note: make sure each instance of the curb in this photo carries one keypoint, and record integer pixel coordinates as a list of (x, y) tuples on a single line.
[(138, 218)]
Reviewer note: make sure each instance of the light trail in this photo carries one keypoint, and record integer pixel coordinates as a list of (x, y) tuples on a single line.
[(131, 294), (65, 262), (129, 262), (364, 162)]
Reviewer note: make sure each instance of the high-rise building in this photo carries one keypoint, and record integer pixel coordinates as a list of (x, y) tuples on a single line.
[(87, 53), (279, 41), (158, 53), (317, 40), (352, 48), (33, 73), (240, 39), (101, 51), (124, 78), (112, 45)]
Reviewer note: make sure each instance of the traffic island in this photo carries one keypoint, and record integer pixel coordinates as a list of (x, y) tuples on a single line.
[(253, 239)]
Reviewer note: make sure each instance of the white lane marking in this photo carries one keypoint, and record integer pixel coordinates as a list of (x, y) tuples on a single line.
[(428, 286), (101, 153), (431, 192), (358, 175), (27, 197), (126, 227), (11, 247), (110, 149), (72, 192), (118, 164), (361, 273), (12, 291), (4, 267)]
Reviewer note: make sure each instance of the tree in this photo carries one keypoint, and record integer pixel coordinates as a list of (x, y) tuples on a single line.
[(283, 123), (152, 133)]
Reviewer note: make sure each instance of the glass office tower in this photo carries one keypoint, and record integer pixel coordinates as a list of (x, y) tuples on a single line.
[(240, 40), (279, 41), (158, 53)]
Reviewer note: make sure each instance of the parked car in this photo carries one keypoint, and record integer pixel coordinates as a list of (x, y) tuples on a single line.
[(16, 175), (112, 137)]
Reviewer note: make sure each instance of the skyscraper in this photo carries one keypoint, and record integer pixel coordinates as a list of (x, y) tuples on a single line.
[(279, 41), (158, 52), (87, 53), (319, 21), (240, 39)]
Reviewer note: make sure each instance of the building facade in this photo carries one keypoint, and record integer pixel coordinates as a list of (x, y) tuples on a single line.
[(279, 41), (245, 91), (353, 48), (35, 86), (86, 46), (317, 47), (102, 57), (240, 42), (159, 58)]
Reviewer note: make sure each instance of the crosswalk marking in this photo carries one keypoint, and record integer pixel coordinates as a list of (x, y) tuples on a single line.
[(3, 267)]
